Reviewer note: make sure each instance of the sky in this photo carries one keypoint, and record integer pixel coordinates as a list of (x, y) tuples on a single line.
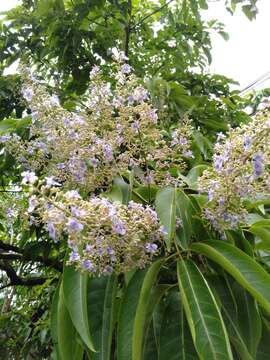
[(246, 56)]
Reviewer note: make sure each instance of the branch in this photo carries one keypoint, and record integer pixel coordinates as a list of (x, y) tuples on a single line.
[(17, 280), (151, 14), (20, 254)]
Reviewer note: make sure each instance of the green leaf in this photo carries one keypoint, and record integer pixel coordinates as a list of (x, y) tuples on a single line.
[(101, 309), (185, 211), (175, 338), (247, 272), (262, 230), (75, 292), (264, 345), (68, 346), (166, 210), (54, 320), (241, 313), (135, 313), (206, 324)]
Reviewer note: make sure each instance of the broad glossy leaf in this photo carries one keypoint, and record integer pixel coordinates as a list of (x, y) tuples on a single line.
[(185, 211), (247, 272), (166, 210), (75, 293), (264, 345), (241, 316), (175, 338), (68, 346), (205, 321), (101, 308), (262, 230), (135, 313)]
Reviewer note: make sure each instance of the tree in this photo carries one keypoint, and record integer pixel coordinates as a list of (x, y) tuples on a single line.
[(194, 297)]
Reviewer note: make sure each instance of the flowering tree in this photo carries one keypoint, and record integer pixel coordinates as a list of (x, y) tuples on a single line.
[(137, 221)]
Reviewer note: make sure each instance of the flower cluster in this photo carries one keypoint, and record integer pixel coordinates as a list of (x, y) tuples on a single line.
[(103, 236), (118, 131), (240, 172)]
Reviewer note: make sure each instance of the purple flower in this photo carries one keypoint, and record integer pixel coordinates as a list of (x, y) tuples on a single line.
[(218, 163), (153, 116), (28, 94), (74, 256), (149, 179), (74, 226), (60, 166), (95, 70), (140, 94), (188, 154), (51, 182), (258, 165), (72, 194), (130, 99), (151, 248), (87, 265), (54, 100), (135, 125), (89, 249), (33, 202), (220, 136), (77, 212), (52, 231), (4, 138), (108, 152), (126, 69), (94, 162), (28, 177), (247, 142), (108, 269), (118, 227)]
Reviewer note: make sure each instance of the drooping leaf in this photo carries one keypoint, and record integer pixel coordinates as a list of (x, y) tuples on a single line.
[(68, 346), (242, 267), (166, 210), (101, 309), (175, 337), (208, 331), (75, 293), (135, 314), (240, 314)]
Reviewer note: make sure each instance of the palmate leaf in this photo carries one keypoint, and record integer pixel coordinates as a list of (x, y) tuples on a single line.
[(75, 294), (101, 312), (207, 328), (246, 271), (135, 313)]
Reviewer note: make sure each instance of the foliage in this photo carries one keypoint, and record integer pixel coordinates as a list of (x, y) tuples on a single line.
[(116, 175)]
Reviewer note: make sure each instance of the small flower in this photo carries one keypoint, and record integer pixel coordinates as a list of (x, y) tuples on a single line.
[(88, 265), (54, 100), (74, 226), (28, 94), (72, 194), (126, 69), (74, 256), (28, 177), (52, 231), (4, 138), (118, 227), (51, 182), (33, 203), (151, 247)]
